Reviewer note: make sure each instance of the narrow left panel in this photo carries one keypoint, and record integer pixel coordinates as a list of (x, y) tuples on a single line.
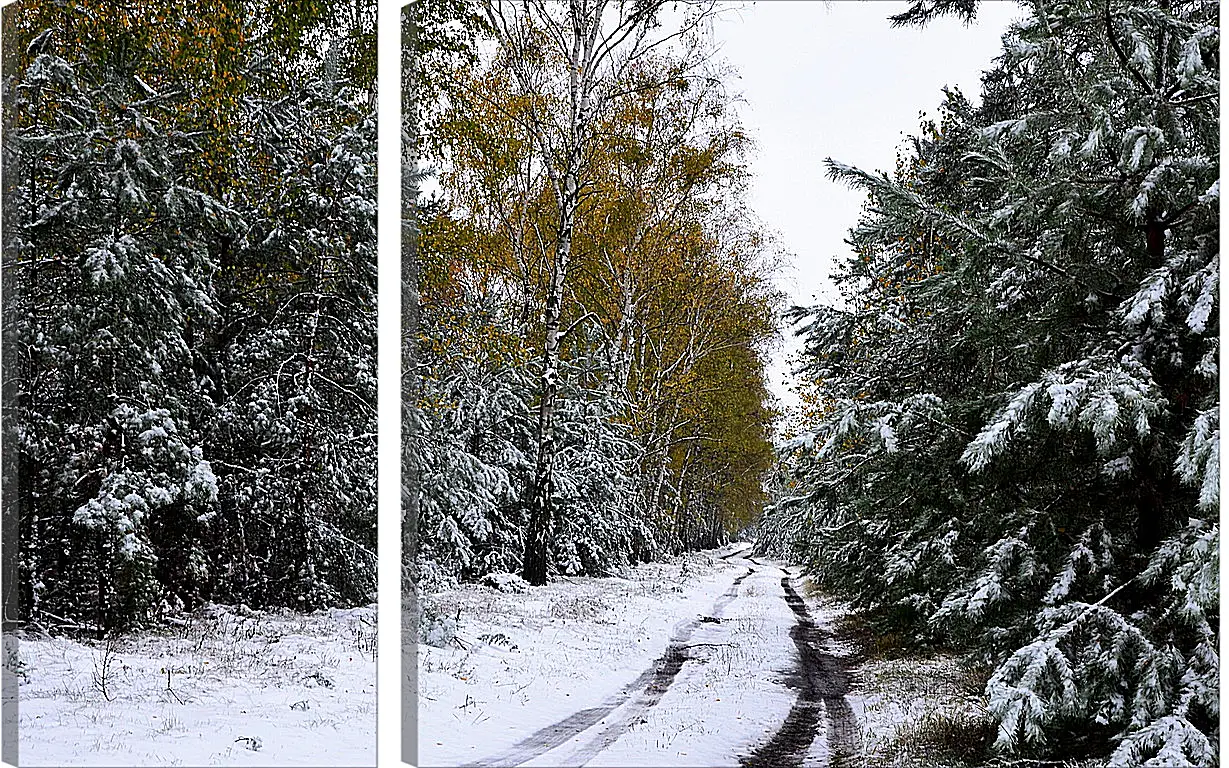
[(189, 382)]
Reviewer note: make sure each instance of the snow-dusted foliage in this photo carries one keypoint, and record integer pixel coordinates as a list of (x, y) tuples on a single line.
[(472, 450), (1012, 443), (1100, 397), (598, 484), (468, 447), (97, 303), (189, 269), (588, 340), (297, 392), (1092, 664)]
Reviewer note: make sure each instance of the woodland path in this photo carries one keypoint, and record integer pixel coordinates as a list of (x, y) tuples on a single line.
[(819, 730)]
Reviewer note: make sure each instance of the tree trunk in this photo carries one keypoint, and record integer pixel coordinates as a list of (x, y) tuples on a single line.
[(540, 532)]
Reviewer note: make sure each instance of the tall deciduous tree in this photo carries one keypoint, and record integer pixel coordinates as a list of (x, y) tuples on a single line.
[(659, 415), (569, 60)]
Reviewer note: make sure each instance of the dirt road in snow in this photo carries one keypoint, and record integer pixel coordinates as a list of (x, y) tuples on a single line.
[(757, 647)]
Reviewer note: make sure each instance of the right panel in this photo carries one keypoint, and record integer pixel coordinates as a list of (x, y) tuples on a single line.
[(728, 447)]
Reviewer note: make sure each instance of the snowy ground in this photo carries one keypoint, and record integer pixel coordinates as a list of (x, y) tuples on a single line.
[(919, 711), (691, 662), (228, 687)]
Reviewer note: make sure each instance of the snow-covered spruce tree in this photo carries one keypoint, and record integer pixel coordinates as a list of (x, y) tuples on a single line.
[(1016, 434), (472, 444), (106, 269)]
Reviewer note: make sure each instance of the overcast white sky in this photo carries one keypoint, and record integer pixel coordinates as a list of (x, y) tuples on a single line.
[(834, 79)]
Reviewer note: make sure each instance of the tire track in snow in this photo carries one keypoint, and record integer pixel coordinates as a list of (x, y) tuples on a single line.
[(822, 685), (732, 553), (675, 656), (654, 682)]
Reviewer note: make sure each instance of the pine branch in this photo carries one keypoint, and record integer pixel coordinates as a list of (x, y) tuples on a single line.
[(1122, 55)]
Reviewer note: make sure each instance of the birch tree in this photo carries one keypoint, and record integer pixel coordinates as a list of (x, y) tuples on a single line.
[(569, 62)]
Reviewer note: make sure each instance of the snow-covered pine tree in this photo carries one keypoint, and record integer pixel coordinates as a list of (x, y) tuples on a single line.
[(189, 261), (106, 270), (597, 476), (469, 449), (473, 442), (1016, 437)]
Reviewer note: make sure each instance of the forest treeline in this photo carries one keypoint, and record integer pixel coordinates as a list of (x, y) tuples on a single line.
[(1011, 441), (593, 295), (189, 306)]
